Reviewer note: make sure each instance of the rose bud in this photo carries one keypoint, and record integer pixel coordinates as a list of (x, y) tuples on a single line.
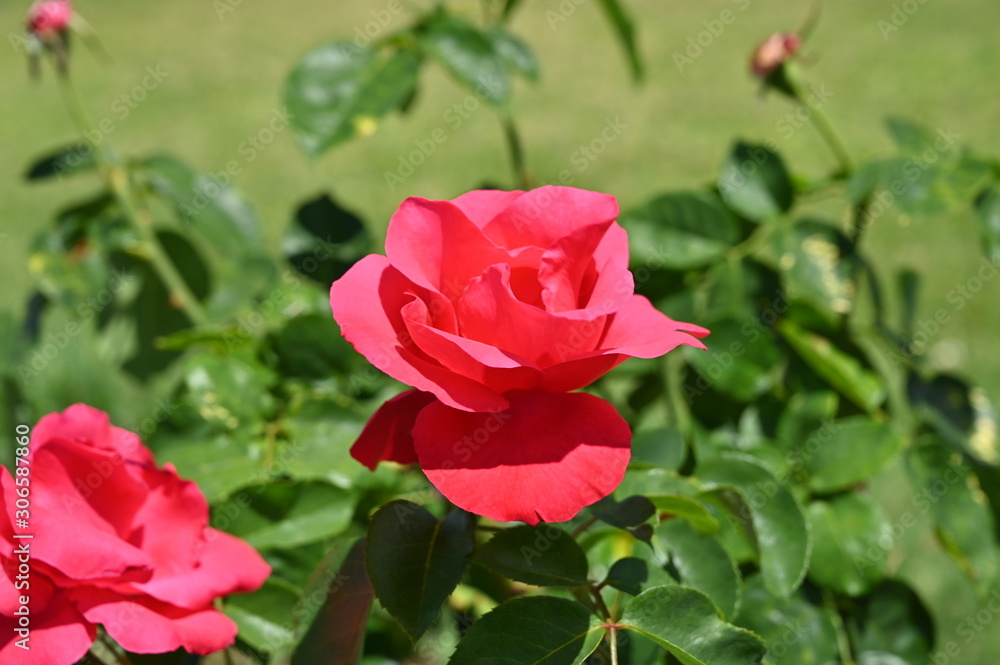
[(49, 16), (773, 53)]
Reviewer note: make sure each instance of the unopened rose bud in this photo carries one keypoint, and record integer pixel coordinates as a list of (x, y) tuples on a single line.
[(773, 53), (49, 16)]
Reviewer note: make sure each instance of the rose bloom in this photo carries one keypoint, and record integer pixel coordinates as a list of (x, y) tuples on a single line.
[(49, 16), (494, 307), (773, 53), (117, 541)]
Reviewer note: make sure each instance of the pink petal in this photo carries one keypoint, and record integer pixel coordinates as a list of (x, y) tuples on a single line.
[(482, 205), (367, 302), (567, 272), (640, 330), (225, 565), (435, 245), (89, 427), (540, 217), (93, 495), (144, 625), (170, 524), (386, 436), (500, 370), (488, 312), (543, 459), (59, 636)]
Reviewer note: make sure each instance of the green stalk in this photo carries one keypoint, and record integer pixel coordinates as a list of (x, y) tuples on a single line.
[(821, 122), (514, 147), (119, 183)]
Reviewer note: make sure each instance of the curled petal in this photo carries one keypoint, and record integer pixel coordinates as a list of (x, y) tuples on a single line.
[(368, 302), (540, 217)]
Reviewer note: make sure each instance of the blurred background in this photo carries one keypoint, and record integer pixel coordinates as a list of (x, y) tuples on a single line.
[(223, 64)]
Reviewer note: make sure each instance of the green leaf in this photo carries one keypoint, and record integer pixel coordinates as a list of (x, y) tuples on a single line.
[(211, 207), (796, 631), (661, 448), (804, 414), (226, 392), (851, 542), (469, 55), (733, 364), (338, 91), (892, 619), (690, 510), (324, 240), (702, 564), (755, 183), (840, 370), (536, 630), (624, 29), (319, 511), (337, 634), (630, 514), (773, 514), (66, 161), (544, 555), (687, 624), (988, 213), (850, 451), (680, 231), (264, 616), (318, 448), (961, 414), (962, 519), (220, 465), (817, 265), (415, 560), (514, 53), (311, 347), (628, 575)]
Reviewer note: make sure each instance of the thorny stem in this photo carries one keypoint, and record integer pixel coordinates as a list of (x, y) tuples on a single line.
[(119, 183)]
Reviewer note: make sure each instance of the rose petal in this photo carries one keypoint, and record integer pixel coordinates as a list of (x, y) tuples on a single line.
[(501, 370), (144, 625), (488, 312), (482, 205), (567, 271), (435, 245), (543, 459), (540, 217), (59, 635), (386, 436), (225, 565), (640, 330), (89, 427), (367, 303), (93, 495)]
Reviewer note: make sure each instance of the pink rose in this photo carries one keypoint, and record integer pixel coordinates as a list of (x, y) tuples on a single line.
[(494, 307), (117, 541), (49, 16)]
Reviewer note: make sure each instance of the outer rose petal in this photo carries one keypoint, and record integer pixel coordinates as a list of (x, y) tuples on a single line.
[(542, 216), (435, 245), (367, 303), (226, 565), (59, 636), (482, 205), (642, 331), (386, 436), (145, 625), (543, 459), (90, 428)]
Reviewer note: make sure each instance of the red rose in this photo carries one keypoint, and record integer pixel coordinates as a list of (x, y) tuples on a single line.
[(117, 542), (49, 16), (773, 53), (493, 306)]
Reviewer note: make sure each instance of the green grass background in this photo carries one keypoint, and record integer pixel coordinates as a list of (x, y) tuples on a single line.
[(226, 73)]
